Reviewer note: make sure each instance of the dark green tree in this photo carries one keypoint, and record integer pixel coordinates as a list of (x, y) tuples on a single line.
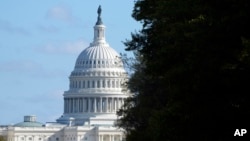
[(191, 81), (2, 138)]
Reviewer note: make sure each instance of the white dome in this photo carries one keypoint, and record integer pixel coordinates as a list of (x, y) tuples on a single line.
[(97, 83), (97, 55)]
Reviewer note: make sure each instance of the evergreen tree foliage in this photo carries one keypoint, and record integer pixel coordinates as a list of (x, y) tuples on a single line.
[(191, 79), (2, 138)]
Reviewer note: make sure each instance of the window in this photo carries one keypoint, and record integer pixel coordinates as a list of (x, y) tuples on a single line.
[(108, 84), (83, 84), (93, 84), (88, 84), (57, 139), (79, 84), (30, 138), (103, 83)]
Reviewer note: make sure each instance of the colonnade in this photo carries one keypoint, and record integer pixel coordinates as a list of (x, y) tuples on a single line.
[(92, 104), (110, 83), (109, 137)]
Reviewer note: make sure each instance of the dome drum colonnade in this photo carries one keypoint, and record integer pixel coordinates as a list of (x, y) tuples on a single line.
[(97, 82), (93, 104)]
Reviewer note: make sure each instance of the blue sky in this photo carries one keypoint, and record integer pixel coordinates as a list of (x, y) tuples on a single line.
[(39, 43)]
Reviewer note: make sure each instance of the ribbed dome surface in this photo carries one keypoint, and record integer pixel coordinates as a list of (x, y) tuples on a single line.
[(98, 53), (101, 55)]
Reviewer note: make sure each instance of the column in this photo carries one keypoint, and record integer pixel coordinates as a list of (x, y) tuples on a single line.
[(70, 105), (100, 104), (106, 109), (120, 137), (95, 104), (112, 105), (85, 104), (67, 105), (101, 83), (119, 103), (119, 83), (88, 104), (73, 101), (76, 103), (106, 84), (101, 137), (122, 101), (80, 105), (115, 104)]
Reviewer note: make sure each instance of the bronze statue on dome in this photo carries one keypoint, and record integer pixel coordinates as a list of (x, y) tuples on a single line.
[(99, 12)]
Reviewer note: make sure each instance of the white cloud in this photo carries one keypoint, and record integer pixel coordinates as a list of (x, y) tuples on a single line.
[(60, 12), (48, 29), (20, 66), (67, 47), (30, 68), (8, 27)]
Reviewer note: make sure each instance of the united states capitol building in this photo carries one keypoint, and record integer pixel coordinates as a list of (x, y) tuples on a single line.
[(96, 92)]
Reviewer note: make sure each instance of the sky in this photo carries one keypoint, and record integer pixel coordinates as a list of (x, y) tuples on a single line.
[(39, 44)]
